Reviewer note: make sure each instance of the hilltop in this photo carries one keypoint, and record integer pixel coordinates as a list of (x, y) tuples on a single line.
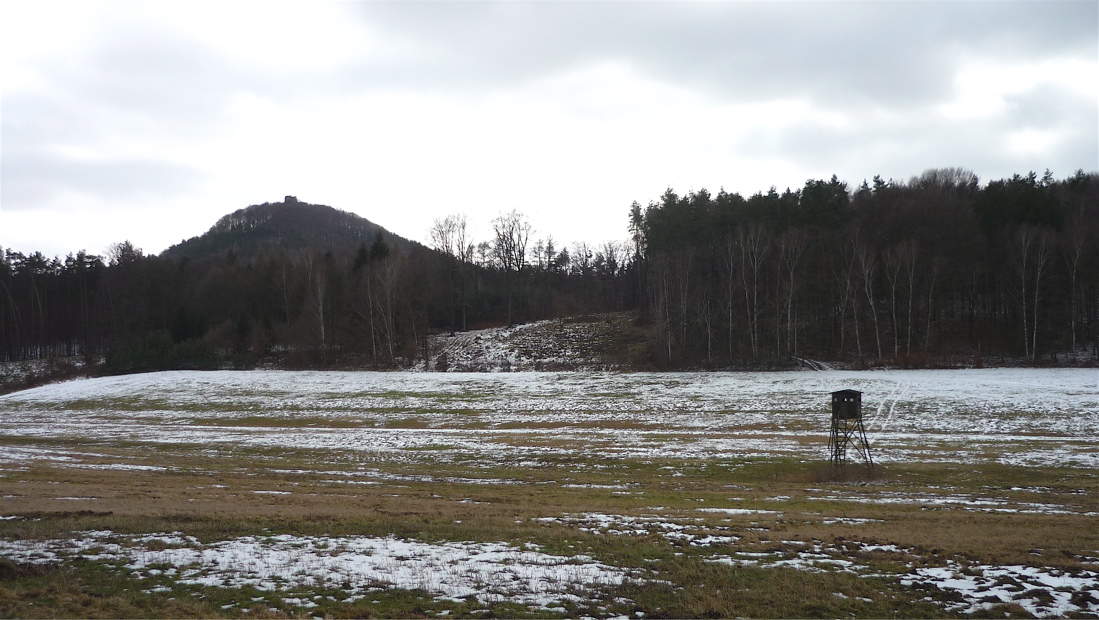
[(287, 225)]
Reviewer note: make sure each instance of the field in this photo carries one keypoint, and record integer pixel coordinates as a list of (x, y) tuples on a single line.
[(357, 494)]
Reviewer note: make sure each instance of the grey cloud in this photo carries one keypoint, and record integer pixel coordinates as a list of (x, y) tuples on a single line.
[(146, 85), (924, 139), (856, 56), (1051, 106), (33, 179), (1081, 152), (890, 53), (155, 77), (145, 81), (130, 87)]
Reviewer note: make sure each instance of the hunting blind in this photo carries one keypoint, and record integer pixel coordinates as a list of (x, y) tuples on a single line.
[(848, 431)]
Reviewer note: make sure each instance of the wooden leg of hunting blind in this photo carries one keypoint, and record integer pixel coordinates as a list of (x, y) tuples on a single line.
[(848, 432), (864, 447)]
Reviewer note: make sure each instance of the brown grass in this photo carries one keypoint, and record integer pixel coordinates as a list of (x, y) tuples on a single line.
[(229, 487), (212, 493)]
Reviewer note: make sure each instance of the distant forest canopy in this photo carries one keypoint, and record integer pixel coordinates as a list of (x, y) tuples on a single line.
[(912, 273)]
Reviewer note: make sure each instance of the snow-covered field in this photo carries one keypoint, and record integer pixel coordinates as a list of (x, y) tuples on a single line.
[(293, 566), (488, 572), (1013, 416), (519, 420)]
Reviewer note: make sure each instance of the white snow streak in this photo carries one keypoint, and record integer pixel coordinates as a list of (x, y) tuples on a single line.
[(487, 572)]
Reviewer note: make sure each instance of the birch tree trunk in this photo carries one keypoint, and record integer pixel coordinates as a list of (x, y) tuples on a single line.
[(753, 250), (867, 269), (1043, 254)]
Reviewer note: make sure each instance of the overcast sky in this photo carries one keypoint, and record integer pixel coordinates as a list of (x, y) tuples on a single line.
[(148, 121)]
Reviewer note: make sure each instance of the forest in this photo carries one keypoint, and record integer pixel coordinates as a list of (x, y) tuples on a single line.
[(936, 270)]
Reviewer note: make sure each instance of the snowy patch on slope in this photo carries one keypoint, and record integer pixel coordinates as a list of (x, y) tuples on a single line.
[(558, 344)]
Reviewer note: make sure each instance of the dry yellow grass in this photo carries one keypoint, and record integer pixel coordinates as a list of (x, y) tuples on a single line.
[(245, 489)]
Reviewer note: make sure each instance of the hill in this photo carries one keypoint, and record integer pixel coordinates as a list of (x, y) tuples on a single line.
[(287, 225)]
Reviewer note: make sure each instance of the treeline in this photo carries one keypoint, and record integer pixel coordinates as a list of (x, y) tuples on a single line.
[(373, 306), (893, 272)]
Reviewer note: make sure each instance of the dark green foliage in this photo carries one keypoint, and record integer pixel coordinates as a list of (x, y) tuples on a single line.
[(187, 326), (1020, 200), (379, 250), (158, 351), (822, 203)]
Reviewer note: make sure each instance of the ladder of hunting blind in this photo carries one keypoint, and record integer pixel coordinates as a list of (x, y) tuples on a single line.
[(849, 434)]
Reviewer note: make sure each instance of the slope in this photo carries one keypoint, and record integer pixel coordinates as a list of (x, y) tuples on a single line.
[(599, 342), (287, 225)]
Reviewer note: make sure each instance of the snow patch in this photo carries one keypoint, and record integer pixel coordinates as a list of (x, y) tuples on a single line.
[(487, 572)]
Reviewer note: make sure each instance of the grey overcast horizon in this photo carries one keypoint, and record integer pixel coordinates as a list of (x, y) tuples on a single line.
[(147, 121)]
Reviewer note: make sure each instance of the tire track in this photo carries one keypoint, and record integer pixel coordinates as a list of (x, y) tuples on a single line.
[(903, 388)]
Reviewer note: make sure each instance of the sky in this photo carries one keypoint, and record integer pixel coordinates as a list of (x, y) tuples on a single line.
[(148, 121)]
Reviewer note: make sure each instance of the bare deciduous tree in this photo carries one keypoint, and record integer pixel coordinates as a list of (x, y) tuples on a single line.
[(1073, 252), (317, 299), (449, 236), (511, 235)]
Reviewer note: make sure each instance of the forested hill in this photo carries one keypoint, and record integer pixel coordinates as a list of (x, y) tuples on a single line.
[(284, 226)]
